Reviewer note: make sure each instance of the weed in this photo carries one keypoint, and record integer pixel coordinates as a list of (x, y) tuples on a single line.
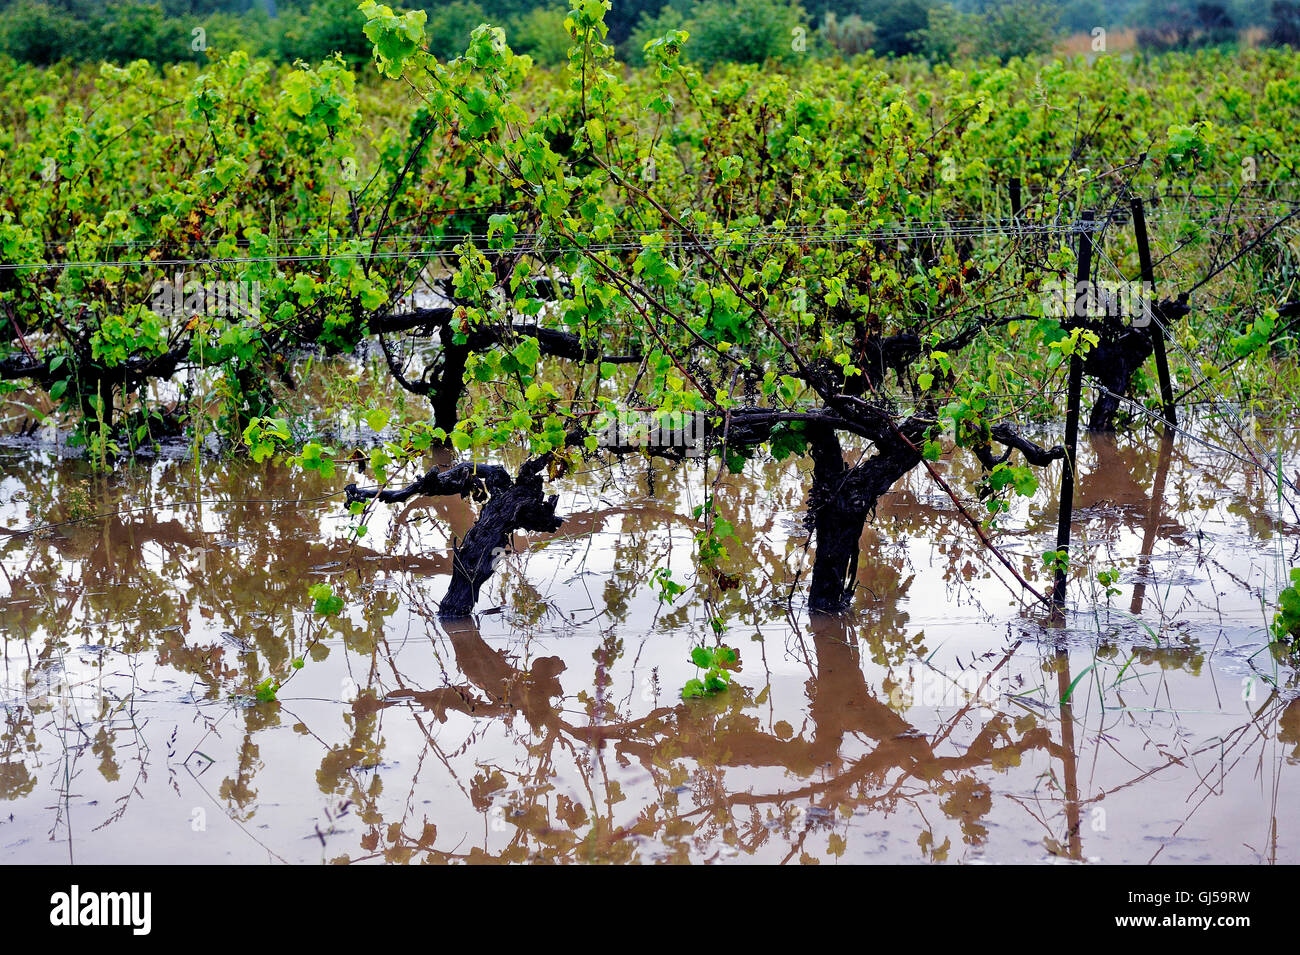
[(716, 665)]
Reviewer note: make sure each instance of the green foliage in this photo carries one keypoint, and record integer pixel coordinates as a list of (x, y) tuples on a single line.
[(1076, 341), (651, 28), (1019, 478), (669, 589), (266, 690), (263, 436), (745, 31), (1257, 335), (396, 36), (1286, 622), (717, 665), (710, 541), (1108, 579), (324, 601), (1056, 561)]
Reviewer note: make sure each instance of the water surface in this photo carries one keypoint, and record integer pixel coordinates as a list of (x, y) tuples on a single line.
[(927, 726)]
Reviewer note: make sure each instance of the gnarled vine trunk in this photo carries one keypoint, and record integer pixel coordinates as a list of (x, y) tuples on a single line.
[(512, 505), (518, 507), (839, 501)]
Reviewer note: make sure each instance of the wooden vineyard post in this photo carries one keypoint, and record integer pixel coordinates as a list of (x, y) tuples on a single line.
[(1149, 302), (1066, 510), (1016, 204)]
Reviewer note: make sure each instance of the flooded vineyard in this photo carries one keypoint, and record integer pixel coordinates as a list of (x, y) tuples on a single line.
[(581, 435), (943, 720)]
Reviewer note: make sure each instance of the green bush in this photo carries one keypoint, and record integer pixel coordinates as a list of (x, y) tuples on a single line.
[(901, 26), (651, 27), (540, 33), (1004, 29), (335, 26), (1016, 28), (1284, 23), (32, 32), (253, 32), (449, 26), (1185, 24), (735, 31), (848, 35), (134, 30)]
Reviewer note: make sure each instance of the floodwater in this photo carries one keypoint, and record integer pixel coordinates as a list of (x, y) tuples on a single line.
[(944, 720)]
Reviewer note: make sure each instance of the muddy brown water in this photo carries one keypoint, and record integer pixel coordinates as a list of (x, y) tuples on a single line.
[(943, 720)]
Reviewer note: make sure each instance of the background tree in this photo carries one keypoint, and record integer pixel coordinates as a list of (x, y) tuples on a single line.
[(850, 35), (1015, 28), (745, 31), (901, 26), (1185, 24), (1284, 24), (539, 33)]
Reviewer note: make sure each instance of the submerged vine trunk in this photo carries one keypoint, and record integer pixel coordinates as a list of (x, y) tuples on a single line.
[(511, 505), (518, 507), (840, 498), (838, 504), (1111, 364), (1121, 350), (835, 528)]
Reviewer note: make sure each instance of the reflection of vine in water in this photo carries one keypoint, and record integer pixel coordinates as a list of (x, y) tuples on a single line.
[(685, 748), (701, 733)]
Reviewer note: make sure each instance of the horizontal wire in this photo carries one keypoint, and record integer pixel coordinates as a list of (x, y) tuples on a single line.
[(744, 239), (1153, 215)]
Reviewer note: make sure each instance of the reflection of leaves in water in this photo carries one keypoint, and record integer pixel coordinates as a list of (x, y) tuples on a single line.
[(237, 790), (483, 785), (15, 780), (1289, 728), (361, 749), (970, 801), (700, 771), (935, 853), (527, 605), (103, 748)]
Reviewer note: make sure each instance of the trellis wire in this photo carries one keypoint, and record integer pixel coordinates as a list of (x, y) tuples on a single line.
[(623, 240)]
